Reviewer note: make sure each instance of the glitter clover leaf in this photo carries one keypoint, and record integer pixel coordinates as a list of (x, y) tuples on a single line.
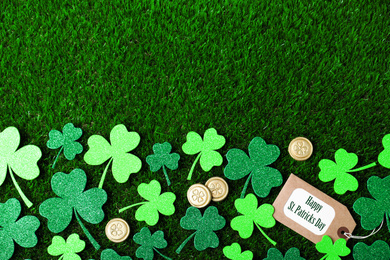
[(379, 250), (291, 254), (149, 243), (110, 254), (384, 156), (68, 249), (333, 251), (204, 226), (260, 216), (206, 149), (234, 252), (123, 163), (66, 140), (339, 171), (22, 162), (264, 178), (149, 211), (73, 199), (162, 157)]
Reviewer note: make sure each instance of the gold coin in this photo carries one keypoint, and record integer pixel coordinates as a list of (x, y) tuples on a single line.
[(117, 230), (218, 187), (199, 195), (300, 148)]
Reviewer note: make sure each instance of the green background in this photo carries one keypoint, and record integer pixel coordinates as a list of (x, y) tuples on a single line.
[(273, 69)]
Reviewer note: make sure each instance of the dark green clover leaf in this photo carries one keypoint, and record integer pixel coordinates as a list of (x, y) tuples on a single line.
[(204, 226), (162, 157), (110, 254), (149, 243), (291, 254), (66, 140), (68, 249), (73, 199), (339, 171), (264, 178), (384, 156), (234, 252), (379, 250), (332, 251), (21, 231)]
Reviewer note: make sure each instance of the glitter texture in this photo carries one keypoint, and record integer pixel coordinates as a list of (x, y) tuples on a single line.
[(21, 231), (291, 254), (379, 250), (68, 249), (234, 252), (110, 254), (263, 178), (149, 243)]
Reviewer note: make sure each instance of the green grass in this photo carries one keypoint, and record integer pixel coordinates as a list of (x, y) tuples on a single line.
[(274, 69)]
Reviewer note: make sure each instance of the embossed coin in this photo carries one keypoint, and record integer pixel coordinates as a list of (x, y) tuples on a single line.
[(300, 148), (218, 187), (117, 230), (199, 195)]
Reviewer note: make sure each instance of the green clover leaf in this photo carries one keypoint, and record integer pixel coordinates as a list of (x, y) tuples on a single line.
[(73, 199), (68, 249), (206, 149), (384, 156), (332, 251), (149, 243), (162, 157), (22, 162), (66, 140), (149, 211), (291, 254), (123, 163), (344, 162), (262, 216), (264, 178), (234, 252), (110, 254), (21, 231), (204, 226), (379, 250)]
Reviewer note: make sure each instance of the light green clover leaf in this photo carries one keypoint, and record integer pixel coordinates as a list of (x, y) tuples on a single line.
[(206, 149), (149, 211), (66, 140), (332, 251), (110, 254), (68, 249), (23, 161), (379, 250), (123, 163), (384, 156), (262, 216), (234, 252), (291, 254), (21, 231), (149, 243)]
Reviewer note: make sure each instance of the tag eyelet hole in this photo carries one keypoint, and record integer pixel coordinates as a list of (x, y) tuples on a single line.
[(341, 232)]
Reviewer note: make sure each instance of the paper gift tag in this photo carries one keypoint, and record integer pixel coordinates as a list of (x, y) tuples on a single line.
[(310, 212)]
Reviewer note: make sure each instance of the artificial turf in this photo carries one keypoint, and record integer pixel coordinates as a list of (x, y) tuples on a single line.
[(273, 69)]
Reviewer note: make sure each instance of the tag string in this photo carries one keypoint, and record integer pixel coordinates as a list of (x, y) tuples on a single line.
[(349, 235)]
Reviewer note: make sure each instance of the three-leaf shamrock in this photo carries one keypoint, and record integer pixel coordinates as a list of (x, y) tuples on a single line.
[(110, 254), (384, 156), (234, 252), (264, 178), (291, 254), (149, 243), (332, 251), (21, 231), (156, 203), (66, 140), (379, 250), (262, 216), (68, 249), (73, 199), (340, 169), (206, 149), (204, 226), (162, 157), (123, 163), (23, 161)]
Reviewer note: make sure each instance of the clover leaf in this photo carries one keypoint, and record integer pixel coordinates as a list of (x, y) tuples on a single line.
[(162, 157), (68, 249), (149, 243), (23, 161), (204, 226), (66, 140), (384, 156), (264, 178), (379, 250), (123, 163), (110, 254), (234, 252), (156, 203), (206, 149), (260, 216), (73, 199), (333, 251), (291, 254), (338, 171), (21, 231)]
